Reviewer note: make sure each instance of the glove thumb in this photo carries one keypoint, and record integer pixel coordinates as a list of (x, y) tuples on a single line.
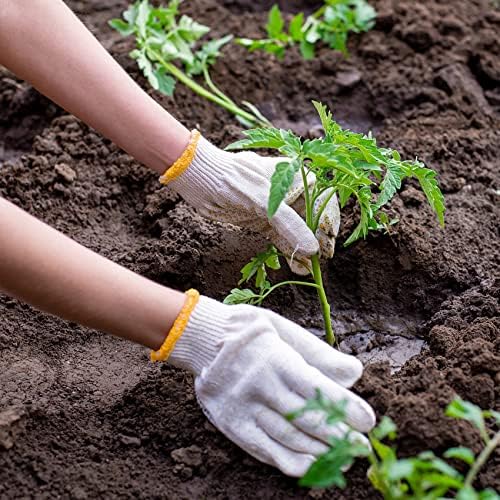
[(291, 234)]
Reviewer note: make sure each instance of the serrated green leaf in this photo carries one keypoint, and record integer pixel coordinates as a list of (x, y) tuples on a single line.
[(238, 296), (141, 21), (361, 230), (292, 144), (166, 83), (328, 468), (307, 50), (275, 22), (489, 494), (390, 185), (467, 493), (295, 28), (325, 116), (400, 469), (121, 26), (465, 410), (385, 453), (386, 428), (427, 179), (259, 138), (281, 182), (461, 453)]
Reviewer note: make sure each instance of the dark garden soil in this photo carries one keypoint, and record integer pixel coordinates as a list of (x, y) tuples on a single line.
[(83, 415)]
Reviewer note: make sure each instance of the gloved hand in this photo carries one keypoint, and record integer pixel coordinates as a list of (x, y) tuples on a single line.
[(234, 188), (253, 367)]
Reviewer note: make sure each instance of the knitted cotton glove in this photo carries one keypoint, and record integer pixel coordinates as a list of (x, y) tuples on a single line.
[(234, 188), (253, 367)]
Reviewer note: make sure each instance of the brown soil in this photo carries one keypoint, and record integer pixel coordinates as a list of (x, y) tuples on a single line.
[(83, 415)]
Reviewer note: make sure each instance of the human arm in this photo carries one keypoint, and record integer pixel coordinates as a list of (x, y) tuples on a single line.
[(43, 267), (43, 42), (252, 367)]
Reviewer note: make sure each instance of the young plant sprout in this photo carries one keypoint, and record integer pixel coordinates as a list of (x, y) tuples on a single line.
[(330, 24), (168, 50), (423, 477), (349, 165)]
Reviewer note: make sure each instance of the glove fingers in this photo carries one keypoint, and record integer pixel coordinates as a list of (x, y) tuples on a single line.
[(302, 267), (306, 379), (269, 451), (293, 234), (282, 431), (346, 370)]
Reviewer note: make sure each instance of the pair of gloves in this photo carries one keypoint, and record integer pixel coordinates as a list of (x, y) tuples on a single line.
[(252, 366)]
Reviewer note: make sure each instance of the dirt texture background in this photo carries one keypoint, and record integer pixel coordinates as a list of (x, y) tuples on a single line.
[(83, 415)]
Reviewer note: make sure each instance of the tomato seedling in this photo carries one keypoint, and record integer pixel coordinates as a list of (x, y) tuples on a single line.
[(331, 24), (344, 163), (426, 476), (168, 49)]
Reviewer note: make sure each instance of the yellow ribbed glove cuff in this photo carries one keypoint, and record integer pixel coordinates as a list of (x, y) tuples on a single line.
[(178, 327), (181, 165)]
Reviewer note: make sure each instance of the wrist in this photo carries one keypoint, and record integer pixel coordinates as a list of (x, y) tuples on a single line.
[(203, 336)]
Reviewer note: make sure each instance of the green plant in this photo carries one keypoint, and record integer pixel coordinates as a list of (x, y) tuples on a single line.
[(425, 477), (330, 24), (168, 50), (348, 164)]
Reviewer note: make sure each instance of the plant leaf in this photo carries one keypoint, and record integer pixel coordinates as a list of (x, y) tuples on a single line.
[(281, 182), (461, 453), (259, 138), (390, 185), (465, 410), (121, 26), (166, 83), (275, 22), (427, 179), (238, 296), (295, 28)]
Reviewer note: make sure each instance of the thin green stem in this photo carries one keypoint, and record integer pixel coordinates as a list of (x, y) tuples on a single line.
[(214, 88), (325, 306), (203, 92), (481, 460), (307, 197), (283, 283), (320, 211)]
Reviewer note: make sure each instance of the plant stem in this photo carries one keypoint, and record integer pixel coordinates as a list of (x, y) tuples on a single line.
[(203, 92), (325, 306), (283, 283), (216, 89), (481, 460)]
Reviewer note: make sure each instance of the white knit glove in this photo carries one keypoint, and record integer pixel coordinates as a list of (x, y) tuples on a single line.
[(253, 367), (234, 188)]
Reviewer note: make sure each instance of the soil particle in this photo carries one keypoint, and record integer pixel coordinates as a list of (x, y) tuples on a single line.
[(430, 87), (191, 456), (11, 425)]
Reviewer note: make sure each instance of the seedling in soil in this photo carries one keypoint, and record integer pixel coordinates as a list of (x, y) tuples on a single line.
[(330, 24), (344, 163), (168, 49), (425, 477)]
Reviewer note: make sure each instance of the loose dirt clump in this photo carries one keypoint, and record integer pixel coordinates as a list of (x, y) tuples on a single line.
[(427, 81)]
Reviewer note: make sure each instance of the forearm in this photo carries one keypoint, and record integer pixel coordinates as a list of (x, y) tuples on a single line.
[(52, 272), (43, 42)]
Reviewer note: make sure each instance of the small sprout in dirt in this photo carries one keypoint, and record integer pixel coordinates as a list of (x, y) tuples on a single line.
[(423, 477), (168, 49), (344, 163), (330, 24)]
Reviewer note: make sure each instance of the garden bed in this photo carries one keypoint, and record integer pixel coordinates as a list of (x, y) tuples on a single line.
[(84, 415)]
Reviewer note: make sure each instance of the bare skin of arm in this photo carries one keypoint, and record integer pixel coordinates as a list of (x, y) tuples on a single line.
[(41, 266), (43, 42)]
